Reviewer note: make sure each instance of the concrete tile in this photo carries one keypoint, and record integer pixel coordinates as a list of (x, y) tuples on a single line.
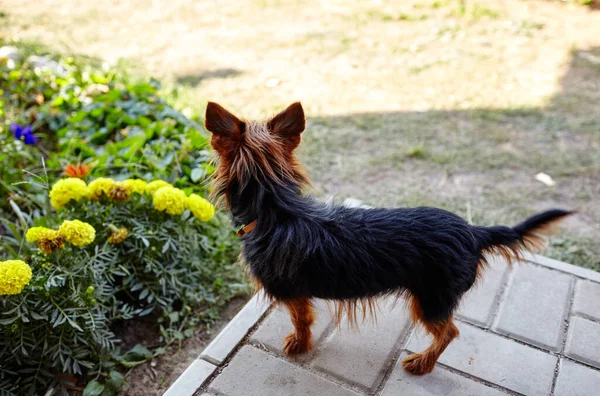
[(577, 380), (274, 328), (559, 265), (479, 302), (535, 306), (192, 378), (253, 372), (495, 359), (587, 299), (439, 382), (583, 341), (235, 331), (359, 357)]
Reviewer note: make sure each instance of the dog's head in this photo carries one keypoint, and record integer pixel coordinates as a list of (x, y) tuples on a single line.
[(261, 151)]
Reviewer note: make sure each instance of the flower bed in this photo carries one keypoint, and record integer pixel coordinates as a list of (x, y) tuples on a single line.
[(138, 240)]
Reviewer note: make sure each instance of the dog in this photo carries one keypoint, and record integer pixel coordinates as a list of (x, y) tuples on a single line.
[(297, 248)]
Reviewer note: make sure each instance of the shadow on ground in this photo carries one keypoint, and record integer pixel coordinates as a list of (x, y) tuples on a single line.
[(193, 80), (480, 163)]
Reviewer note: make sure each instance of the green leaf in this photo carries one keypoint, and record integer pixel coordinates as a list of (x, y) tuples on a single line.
[(93, 388), (138, 352), (58, 101), (6, 322), (197, 174), (160, 351), (98, 79), (114, 384), (134, 144), (144, 121), (97, 113)]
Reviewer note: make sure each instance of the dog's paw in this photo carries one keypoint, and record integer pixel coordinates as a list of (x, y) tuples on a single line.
[(292, 345), (418, 364)]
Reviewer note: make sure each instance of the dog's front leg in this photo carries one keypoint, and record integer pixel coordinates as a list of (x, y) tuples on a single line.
[(303, 316)]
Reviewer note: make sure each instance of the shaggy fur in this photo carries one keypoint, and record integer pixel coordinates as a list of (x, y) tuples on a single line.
[(303, 249)]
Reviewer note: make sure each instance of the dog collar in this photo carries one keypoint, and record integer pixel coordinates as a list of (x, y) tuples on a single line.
[(246, 229)]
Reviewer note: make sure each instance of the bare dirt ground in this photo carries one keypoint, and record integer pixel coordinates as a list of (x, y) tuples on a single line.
[(155, 377), (446, 103)]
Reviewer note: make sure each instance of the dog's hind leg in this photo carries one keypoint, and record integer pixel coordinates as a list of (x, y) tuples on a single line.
[(303, 316), (443, 332)]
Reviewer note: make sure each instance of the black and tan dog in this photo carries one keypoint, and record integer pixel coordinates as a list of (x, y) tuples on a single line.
[(298, 248)]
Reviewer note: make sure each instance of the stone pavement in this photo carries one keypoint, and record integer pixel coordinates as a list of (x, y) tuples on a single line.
[(532, 330)]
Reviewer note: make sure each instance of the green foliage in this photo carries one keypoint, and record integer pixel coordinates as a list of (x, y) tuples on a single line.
[(14, 157), (130, 131), (87, 112), (175, 271), (176, 268)]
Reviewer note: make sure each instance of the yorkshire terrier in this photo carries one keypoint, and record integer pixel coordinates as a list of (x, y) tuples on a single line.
[(298, 248)]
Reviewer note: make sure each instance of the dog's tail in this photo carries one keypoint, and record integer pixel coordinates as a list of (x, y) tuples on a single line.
[(526, 236)]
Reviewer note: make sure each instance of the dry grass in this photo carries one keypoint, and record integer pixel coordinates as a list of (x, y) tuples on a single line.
[(419, 102)]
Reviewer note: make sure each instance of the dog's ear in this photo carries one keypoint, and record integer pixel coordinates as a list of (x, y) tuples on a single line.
[(226, 128), (289, 124)]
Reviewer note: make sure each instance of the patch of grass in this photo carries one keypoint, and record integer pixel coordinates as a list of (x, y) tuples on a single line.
[(577, 250), (422, 68), (434, 4), (582, 2), (394, 159), (469, 10), (417, 151), (527, 27), (448, 30), (475, 11), (367, 122), (385, 17)]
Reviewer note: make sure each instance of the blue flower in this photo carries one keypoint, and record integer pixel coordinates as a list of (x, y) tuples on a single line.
[(17, 130), (29, 137), (25, 132)]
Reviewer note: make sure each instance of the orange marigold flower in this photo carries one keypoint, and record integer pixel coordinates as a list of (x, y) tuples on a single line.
[(79, 170)]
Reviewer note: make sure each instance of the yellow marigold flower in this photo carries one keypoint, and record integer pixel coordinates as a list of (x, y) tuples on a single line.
[(36, 233), (153, 186), (170, 200), (66, 190), (200, 207), (118, 235), (137, 186), (119, 192), (100, 186), (14, 275), (77, 232)]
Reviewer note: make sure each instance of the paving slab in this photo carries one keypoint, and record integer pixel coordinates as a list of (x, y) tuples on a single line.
[(583, 342), (576, 380), (535, 306), (479, 303), (587, 299), (192, 378), (439, 382), (232, 334), (360, 357), (256, 373), (495, 359), (547, 262), (278, 324), (512, 336)]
